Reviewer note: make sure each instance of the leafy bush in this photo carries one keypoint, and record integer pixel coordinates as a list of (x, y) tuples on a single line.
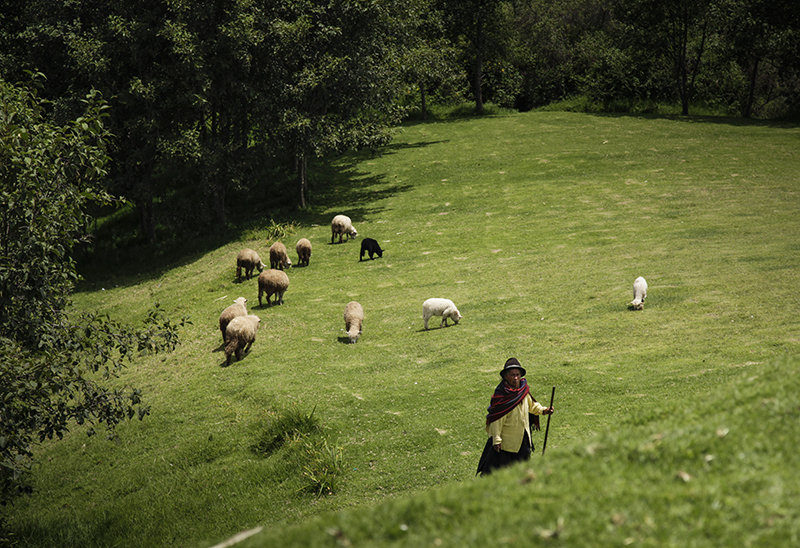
[(54, 366)]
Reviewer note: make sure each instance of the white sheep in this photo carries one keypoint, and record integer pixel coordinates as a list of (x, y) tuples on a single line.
[(353, 320), (248, 260), (303, 249), (342, 225), (639, 293), (272, 282), (240, 336), (440, 307), (235, 310), (278, 257)]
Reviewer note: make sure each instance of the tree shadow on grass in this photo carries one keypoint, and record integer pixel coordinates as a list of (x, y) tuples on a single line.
[(121, 257), (703, 119)]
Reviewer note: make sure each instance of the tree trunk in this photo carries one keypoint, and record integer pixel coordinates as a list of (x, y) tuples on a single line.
[(147, 219), (480, 46), (476, 84), (422, 99), (301, 161), (220, 190), (747, 108)]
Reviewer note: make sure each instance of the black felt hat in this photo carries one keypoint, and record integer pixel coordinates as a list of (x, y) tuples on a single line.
[(512, 363)]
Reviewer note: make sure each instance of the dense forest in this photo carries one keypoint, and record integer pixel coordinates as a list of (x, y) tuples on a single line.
[(206, 95)]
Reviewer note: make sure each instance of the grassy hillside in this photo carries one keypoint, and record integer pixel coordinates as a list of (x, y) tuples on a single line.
[(718, 472), (536, 226)]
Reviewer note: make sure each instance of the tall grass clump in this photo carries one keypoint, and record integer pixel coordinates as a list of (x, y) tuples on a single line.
[(271, 231), (301, 440), (286, 424), (324, 466)]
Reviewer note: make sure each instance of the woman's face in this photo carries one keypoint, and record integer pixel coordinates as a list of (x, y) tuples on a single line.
[(513, 377)]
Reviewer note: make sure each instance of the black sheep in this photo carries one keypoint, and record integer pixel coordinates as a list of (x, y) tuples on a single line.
[(368, 245)]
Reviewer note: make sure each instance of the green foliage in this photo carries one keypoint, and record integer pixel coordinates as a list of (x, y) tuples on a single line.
[(48, 174), (272, 231), (55, 365)]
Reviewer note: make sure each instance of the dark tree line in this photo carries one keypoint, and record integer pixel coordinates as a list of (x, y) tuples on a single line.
[(205, 95)]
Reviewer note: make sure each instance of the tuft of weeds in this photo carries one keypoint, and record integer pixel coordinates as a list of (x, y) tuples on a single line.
[(300, 439), (273, 231), (287, 424), (324, 466)]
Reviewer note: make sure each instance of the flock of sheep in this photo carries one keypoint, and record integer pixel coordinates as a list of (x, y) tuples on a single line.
[(239, 328)]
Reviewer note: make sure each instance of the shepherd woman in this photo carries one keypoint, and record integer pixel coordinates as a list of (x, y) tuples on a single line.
[(511, 414)]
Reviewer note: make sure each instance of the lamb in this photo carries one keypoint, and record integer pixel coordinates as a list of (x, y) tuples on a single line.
[(233, 311), (342, 225), (303, 249), (272, 282), (353, 320), (278, 257), (368, 245), (440, 307), (248, 260), (639, 293), (240, 336)]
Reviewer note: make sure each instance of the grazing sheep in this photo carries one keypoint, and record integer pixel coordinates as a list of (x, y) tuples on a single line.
[(639, 293), (278, 257), (233, 311), (248, 260), (368, 245), (353, 319), (240, 336), (303, 249), (272, 282), (342, 225), (440, 307)]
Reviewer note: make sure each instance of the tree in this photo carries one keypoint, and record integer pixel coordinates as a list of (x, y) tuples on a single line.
[(555, 43), (761, 38), (678, 29), (335, 83), (475, 23), (428, 60), (54, 364), (179, 76)]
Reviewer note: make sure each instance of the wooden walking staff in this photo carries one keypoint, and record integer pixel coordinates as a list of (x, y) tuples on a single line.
[(547, 430)]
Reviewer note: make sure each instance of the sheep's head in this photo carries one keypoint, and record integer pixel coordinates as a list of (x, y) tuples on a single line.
[(353, 231), (240, 300), (637, 304)]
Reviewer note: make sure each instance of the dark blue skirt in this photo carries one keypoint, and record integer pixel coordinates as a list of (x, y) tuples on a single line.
[(491, 459)]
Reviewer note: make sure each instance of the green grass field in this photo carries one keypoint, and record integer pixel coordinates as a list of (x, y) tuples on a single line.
[(675, 425)]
